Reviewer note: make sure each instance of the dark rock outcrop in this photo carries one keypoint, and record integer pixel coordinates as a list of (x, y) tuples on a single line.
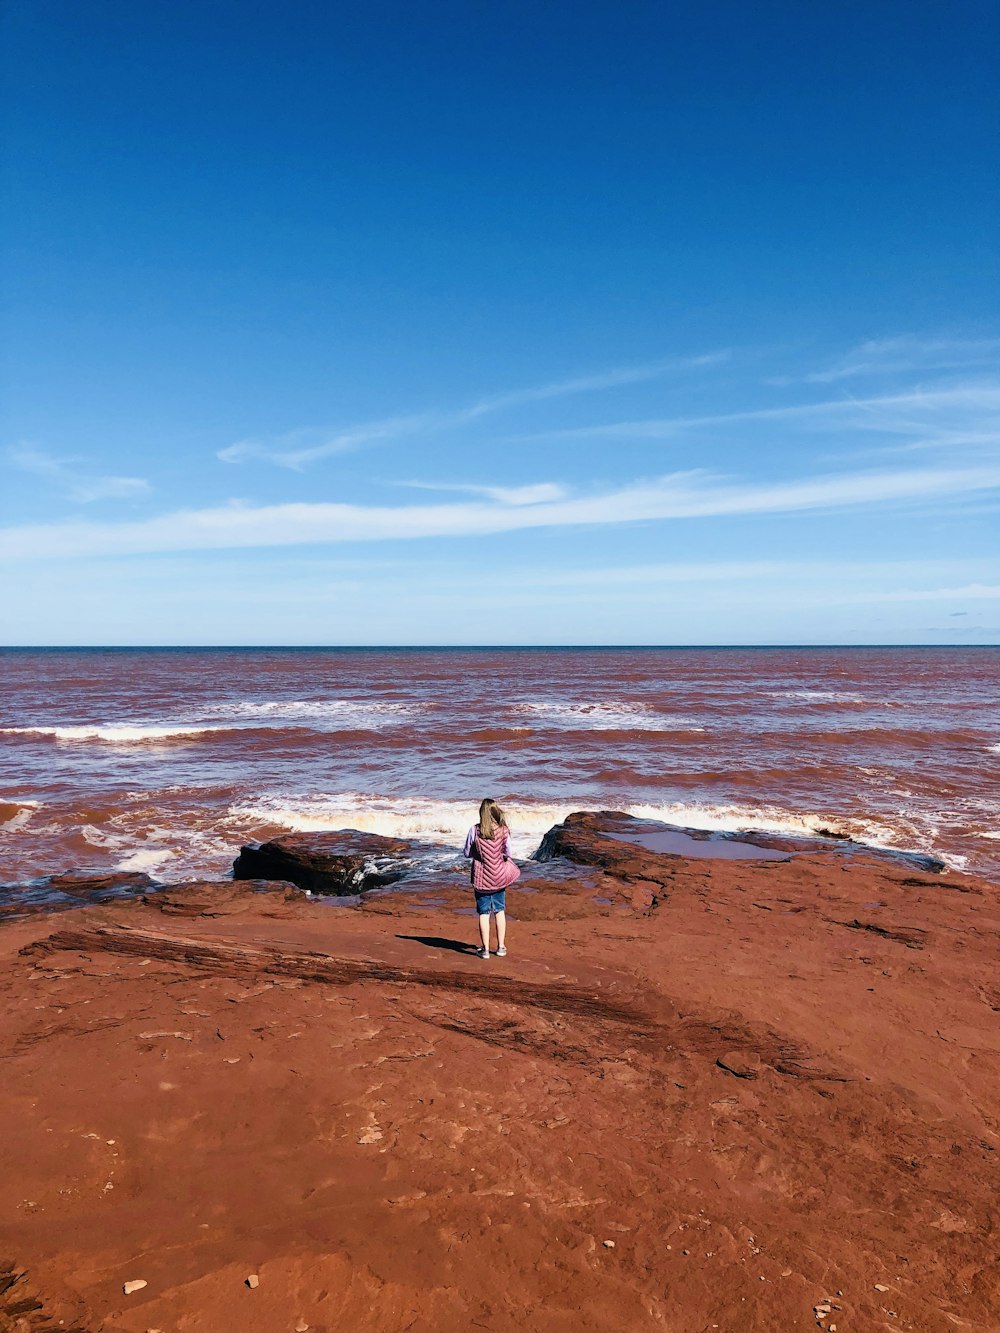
[(52, 893), (341, 862), (115, 884)]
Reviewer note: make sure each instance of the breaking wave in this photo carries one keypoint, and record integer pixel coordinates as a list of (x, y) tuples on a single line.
[(14, 814), (821, 697), (611, 716), (115, 734), (358, 713), (442, 821)]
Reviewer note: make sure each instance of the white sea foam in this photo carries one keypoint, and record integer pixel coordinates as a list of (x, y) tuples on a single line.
[(448, 821), (115, 734), (953, 860), (356, 713), (612, 715), (993, 749), (818, 696), (774, 819), (147, 858), (21, 813), (427, 820)]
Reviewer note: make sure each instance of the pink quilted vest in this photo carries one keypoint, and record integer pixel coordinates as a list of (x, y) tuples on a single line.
[(490, 870)]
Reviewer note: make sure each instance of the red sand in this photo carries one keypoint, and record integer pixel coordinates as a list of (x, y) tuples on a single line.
[(394, 1135)]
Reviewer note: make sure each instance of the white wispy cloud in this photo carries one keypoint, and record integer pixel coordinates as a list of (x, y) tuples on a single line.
[(296, 449), (70, 480), (896, 413), (906, 355), (683, 495), (531, 494)]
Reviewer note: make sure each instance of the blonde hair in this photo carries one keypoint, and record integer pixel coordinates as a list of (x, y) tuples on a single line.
[(491, 817)]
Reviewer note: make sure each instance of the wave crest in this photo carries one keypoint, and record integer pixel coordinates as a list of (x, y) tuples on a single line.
[(614, 715), (117, 734), (446, 822)]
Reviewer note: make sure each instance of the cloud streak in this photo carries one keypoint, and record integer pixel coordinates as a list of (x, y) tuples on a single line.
[(293, 450), (532, 494), (906, 355), (75, 485), (684, 495), (896, 413)]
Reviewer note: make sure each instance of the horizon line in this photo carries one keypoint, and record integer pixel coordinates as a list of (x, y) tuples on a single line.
[(454, 647)]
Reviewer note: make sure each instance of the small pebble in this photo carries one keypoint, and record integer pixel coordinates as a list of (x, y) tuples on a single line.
[(137, 1285), (880, 1286), (609, 1245), (253, 1281)]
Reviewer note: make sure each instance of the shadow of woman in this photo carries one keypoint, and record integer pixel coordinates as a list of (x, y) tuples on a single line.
[(439, 942)]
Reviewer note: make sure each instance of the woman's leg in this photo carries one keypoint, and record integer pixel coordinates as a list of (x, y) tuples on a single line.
[(484, 929), (501, 929)]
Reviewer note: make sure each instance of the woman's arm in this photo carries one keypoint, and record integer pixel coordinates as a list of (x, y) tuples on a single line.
[(470, 839)]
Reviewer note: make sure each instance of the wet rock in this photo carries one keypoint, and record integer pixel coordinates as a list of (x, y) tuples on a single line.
[(73, 889), (588, 838), (92, 887), (340, 862), (642, 849)]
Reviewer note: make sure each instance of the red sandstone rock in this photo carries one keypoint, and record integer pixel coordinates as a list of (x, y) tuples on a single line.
[(744, 1064), (223, 897), (394, 1135)]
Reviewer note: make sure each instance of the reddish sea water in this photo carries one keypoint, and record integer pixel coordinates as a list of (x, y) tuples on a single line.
[(167, 760)]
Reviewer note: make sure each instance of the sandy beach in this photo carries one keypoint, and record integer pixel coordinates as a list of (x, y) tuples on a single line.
[(699, 1093)]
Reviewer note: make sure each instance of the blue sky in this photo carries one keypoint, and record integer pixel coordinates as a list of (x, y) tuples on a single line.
[(589, 323)]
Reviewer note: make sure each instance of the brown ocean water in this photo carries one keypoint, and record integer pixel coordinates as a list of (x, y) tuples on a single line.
[(167, 760)]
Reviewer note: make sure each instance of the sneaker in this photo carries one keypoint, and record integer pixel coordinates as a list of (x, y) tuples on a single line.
[(502, 952), (482, 953)]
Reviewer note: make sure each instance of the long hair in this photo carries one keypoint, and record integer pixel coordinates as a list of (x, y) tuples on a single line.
[(491, 818)]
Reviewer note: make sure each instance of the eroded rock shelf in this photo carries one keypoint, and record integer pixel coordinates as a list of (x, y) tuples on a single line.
[(750, 1093)]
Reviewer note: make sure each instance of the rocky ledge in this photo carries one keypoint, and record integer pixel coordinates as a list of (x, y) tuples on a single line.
[(341, 862), (733, 1092)]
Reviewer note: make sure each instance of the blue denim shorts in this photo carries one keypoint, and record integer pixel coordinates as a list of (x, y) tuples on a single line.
[(491, 902)]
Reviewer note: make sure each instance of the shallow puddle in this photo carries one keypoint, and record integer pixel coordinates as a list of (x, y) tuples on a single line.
[(677, 843)]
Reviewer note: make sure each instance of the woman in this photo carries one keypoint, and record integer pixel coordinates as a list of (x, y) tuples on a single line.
[(488, 843)]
